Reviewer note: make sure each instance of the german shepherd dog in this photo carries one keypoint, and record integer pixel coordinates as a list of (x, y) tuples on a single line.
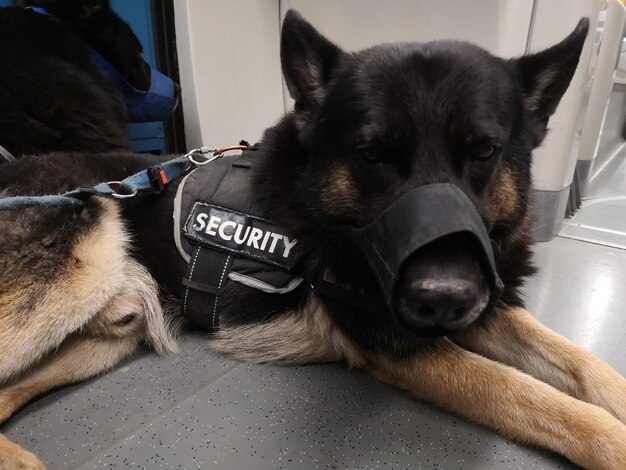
[(80, 287), (52, 96)]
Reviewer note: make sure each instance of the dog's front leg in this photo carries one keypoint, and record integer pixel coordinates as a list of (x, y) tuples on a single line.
[(79, 358), (512, 336), (13, 457), (516, 404)]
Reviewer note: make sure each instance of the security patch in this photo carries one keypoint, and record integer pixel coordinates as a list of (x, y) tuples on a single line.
[(244, 234)]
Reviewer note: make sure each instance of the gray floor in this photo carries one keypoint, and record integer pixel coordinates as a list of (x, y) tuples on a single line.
[(196, 410)]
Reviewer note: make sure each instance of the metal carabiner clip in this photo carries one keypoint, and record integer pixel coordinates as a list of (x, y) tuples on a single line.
[(217, 153)]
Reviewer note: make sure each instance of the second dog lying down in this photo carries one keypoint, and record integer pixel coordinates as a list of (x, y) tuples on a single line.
[(371, 131)]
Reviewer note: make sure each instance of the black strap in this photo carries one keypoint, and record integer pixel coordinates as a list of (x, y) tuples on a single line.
[(361, 300), (206, 279), (207, 275)]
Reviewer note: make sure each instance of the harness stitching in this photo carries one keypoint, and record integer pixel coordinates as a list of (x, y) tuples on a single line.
[(195, 258), (219, 287)]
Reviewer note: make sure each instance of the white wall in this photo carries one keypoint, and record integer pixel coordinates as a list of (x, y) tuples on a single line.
[(555, 160), (611, 137), (500, 26), (229, 49), (612, 32), (230, 66), (230, 69)]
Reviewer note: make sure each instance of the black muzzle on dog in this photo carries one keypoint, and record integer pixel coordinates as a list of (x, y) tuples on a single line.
[(420, 217)]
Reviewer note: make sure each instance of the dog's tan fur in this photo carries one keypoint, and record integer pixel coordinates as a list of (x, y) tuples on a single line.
[(101, 308), (515, 404), (505, 197), (340, 194), (13, 457), (509, 373), (522, 379), (504, 373), (305, 337), (515, 338)]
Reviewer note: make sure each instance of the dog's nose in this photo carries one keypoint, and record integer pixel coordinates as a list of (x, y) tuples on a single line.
[(440, 301), (442, 287)]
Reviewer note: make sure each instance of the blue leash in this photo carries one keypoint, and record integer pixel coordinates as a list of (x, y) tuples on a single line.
[(153, 179)]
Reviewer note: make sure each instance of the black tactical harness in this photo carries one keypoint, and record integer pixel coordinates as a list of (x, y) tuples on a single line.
[(223, 242), (225, 234)]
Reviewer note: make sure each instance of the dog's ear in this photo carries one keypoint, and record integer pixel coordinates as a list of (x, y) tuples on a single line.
[(545, 76), (308, 59)]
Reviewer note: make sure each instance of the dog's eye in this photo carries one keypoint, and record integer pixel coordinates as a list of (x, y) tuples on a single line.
[(371, 153), (484, 152)]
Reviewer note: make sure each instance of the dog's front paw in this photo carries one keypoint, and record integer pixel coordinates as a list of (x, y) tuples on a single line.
[(604, 387), (13, 457), (602, 444)]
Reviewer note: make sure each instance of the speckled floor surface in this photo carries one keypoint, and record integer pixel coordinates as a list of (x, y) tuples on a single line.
[(196, 410)]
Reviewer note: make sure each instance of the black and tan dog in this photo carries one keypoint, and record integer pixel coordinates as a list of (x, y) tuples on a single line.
[(79, 288)]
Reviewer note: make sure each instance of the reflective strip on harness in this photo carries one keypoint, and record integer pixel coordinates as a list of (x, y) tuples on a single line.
[(225, 235)]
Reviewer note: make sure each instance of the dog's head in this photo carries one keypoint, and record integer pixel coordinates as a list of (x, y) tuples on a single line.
[(375, 125), (102, 29)]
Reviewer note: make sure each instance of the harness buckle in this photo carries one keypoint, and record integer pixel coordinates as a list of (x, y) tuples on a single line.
[(158, 179)]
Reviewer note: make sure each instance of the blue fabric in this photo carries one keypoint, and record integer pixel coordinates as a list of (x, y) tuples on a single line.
[(139, 182), (22, 202), (105, 66), (155, 104)]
